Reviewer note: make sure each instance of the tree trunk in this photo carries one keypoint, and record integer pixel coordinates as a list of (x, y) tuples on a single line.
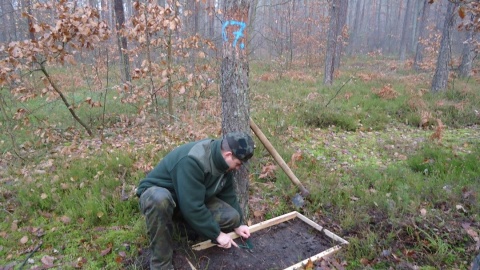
[(414, 21), (122, 40), (361, 30), (28, 7), (388, 29), (395, 41), (169, 77), (341, 21), (9, 21), (103, 13), (211, 19), (234, 86), (331, 43), (356, 26), (440, 79), (420, 38), (289, 33), (468, 54), (407, 26), (378, 30), (192, 26)]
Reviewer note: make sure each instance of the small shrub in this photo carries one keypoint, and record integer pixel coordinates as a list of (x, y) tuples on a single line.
[(315, 116)]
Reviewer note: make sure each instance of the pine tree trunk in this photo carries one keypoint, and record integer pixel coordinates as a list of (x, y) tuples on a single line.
[(28, 6), (9, 22), (468, 54), (341, 21), (353, 46), (122, 40), (421, 35), (234, 86), (440, 79), (331, 44), (407, 27)]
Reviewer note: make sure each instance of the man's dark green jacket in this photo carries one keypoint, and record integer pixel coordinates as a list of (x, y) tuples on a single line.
[(194, 173)]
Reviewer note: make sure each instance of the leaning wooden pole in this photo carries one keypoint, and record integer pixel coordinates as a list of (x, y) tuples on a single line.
[(278, 158)]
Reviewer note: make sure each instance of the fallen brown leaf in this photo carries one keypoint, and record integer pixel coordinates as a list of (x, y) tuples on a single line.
[(24, 239), (47, 261), (309, 265), (107, 250)]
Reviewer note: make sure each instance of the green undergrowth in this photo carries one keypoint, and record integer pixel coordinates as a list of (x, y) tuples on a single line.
[(390, 167), (82, 212), (395, 195), (382, 172)]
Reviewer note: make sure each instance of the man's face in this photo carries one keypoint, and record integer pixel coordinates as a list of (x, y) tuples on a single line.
[(233, 162)]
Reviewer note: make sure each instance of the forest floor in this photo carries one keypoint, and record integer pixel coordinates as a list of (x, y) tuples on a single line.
[(403, 193), (275, 247)]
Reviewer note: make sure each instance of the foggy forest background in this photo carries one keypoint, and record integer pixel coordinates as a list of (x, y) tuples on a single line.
[(283, 32)]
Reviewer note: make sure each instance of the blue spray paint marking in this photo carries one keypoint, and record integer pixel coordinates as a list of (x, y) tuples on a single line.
[(237, 34)]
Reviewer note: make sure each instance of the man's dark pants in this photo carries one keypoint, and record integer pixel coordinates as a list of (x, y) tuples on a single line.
[(157, 205)]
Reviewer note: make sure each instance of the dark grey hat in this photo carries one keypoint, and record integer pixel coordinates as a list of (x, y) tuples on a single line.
[(241, 145)]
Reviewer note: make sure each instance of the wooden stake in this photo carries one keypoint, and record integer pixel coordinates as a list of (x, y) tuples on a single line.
[(278, 158)]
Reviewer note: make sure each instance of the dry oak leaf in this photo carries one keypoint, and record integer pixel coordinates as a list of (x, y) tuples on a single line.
[(24, 239), (268, 171), (297, 156), (79, 263), (106, 251), (258, 213), (364, 261), (65, 219), (309, 265), (47, 261), (472, 234)]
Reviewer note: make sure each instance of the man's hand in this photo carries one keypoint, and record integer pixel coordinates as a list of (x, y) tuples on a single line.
[(225, 241), (243, 231)]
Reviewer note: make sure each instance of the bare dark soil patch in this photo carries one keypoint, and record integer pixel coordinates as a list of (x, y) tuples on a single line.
[(275, 247)]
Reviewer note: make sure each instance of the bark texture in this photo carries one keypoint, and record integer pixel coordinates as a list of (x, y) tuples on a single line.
[(468, 54), (122, 40), (407, 28), (421, 35), (234, 86), (331, 44), (440, 79)]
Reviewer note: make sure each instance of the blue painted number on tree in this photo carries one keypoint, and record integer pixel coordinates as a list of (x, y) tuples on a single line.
[(236, 34)]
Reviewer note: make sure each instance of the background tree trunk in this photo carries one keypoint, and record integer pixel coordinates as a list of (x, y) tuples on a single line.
[(28, 7), (9, 27), (122, 40), (234, 86), (341, 21), (420, 37), (407, 28), (356, 26), (440, 79), (211, 19), (468, 54), (331, 43)]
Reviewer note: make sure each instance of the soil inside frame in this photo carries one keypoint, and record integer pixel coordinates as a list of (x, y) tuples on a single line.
[(275, 247)]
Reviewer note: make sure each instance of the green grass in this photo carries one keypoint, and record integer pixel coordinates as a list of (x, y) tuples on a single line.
[(375, 175), (81, 208)]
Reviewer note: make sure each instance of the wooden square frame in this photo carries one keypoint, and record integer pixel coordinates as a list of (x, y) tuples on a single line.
[(280, 219)]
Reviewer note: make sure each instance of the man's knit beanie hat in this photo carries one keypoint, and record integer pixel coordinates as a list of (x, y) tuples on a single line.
[(241, 145)]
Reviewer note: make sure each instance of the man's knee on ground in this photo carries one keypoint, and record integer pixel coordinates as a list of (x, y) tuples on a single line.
[(230, 219), (157, 198)]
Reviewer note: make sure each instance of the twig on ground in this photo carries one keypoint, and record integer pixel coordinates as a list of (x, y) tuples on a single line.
[(7, 211), (338, 91), (30, 255)]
